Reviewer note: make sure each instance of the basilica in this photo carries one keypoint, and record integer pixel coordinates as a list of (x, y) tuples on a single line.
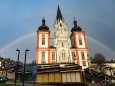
[(66, 49)]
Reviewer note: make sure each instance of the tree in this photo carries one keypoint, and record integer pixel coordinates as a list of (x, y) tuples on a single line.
[(99, 60), (33, 62)]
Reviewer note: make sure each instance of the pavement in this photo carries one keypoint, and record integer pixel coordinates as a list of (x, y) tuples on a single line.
[(46, 84), (26, 83)]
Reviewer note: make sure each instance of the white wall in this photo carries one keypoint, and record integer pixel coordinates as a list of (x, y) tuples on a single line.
[(46, 41)]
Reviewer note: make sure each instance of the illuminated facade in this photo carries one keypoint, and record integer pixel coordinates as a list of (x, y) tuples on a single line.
[(66, 49)]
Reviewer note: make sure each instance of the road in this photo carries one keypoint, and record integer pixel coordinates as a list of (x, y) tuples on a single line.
[(26, 83)]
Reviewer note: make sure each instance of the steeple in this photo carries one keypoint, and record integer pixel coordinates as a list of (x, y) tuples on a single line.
[(59, 15)]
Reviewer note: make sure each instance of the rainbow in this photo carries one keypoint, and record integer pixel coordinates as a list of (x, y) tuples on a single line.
[(34, 34), (16, 41)]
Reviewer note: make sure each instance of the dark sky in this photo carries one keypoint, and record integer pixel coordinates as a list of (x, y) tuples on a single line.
[(19, 20)]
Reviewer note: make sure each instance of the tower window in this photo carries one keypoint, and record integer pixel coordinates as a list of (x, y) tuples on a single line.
[(84, 63), (73, 55), (53, 55), (43, 56), (62, 44), (43, 41), (82, 55), (80, 41), (63, 54), (60, 25)]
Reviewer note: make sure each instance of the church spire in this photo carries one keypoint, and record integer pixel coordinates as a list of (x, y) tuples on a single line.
[(59, 15)]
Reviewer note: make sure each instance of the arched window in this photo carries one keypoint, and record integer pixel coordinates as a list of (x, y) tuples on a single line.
[(84, 63), (60, 25), (43, 56), (43, 39), (73, 55), (62, 44), (63, 54), (53, 55), (82, 56), (80, 41)]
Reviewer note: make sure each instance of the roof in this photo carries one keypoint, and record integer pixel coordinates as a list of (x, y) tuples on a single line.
[(43, 26), (51, 67), (28, 68), (76, 28), (59, 15)]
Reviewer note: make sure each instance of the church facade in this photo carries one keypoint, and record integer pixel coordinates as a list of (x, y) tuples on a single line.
[(66, 49)]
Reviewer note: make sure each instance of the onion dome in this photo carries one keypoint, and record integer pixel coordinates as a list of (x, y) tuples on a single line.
[(76, 28), (43, 26)]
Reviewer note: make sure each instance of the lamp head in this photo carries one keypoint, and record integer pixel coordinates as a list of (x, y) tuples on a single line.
[(17, 50)]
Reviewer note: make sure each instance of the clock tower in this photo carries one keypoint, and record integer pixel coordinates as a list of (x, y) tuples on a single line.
[(61, 39)]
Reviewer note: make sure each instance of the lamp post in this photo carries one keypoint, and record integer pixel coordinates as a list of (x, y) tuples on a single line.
[(17, 64), (24, 66)]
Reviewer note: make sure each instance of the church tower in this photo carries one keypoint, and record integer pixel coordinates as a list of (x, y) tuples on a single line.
[(78, 41), (43, 44), (66, 49), (61, 39)]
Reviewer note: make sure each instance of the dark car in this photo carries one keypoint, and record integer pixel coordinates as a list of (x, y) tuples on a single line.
[(3, 79)]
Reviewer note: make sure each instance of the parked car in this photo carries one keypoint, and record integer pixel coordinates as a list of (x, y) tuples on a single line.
[(3, 79)]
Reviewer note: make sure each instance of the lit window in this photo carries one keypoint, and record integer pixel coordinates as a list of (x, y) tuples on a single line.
[(84, 63), (82, 56), (53, 55), (80, 41), (43, 56)]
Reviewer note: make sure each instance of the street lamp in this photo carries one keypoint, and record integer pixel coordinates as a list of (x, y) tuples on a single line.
[(24, 66), (17, 64)]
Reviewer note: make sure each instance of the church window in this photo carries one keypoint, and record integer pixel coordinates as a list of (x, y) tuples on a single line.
[(63, 54), (80, 41), (43, 39), (53, 55), (73, 55), (113, 73), (60, 25), (62, 44), (82, 56), (84, 63), (43, 56)]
